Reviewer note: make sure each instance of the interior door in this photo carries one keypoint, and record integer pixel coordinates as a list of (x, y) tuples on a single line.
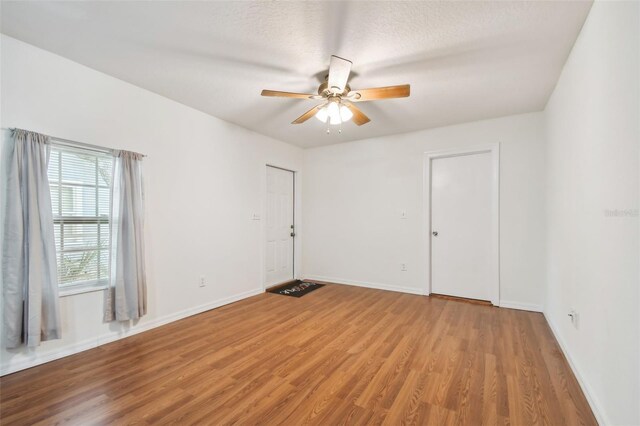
[(461, 225), (279, 224)]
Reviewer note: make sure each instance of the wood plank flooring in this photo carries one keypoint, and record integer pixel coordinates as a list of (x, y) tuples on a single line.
[(339, 355)]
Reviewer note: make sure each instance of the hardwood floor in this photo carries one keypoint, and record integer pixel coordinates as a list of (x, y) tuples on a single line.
[(339, 355)]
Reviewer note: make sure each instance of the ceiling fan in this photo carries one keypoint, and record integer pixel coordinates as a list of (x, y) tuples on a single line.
[(338, 98)]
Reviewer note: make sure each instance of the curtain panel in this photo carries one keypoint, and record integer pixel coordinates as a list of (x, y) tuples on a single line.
[(126, 297), (29, 269)]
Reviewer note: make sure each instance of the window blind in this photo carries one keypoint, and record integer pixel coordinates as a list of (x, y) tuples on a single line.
[(80, 184)]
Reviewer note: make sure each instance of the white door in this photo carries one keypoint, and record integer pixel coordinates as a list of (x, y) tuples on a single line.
[(461, 224), (279, 224)]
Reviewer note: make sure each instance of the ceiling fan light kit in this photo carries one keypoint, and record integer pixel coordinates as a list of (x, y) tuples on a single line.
[(338, 97), (334, 112)]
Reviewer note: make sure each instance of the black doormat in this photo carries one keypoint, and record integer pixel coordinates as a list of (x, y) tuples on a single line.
[(296, 289)]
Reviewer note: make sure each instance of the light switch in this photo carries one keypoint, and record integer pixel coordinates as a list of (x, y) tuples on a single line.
[(403, 214), (255, 216)]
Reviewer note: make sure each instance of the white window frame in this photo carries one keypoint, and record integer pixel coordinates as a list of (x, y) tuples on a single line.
[(86, 286)]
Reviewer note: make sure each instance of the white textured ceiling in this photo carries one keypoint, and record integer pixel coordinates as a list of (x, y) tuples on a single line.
[(465, 61)]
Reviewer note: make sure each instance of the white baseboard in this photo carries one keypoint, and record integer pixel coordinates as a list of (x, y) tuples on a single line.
[(376, 286), (117, 335), (596, 407), (36, 358), (521, 306), (41, 358), (503, 303)]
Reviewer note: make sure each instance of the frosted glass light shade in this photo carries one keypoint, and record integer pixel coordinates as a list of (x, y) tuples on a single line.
[(345, 113), (322, 114), (335, 113)]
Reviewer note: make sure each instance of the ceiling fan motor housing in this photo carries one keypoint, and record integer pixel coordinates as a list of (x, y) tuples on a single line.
[(325, 91)]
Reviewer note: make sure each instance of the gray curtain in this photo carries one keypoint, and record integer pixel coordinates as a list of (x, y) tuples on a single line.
[(127, 294), (29, 269)]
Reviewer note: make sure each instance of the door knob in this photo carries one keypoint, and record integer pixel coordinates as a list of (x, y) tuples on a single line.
[(435, 233)]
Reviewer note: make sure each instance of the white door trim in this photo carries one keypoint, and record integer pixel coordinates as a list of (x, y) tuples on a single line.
[(263, 217), (494, 150)]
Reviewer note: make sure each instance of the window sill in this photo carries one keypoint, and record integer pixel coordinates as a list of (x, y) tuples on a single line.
[(81, 288)]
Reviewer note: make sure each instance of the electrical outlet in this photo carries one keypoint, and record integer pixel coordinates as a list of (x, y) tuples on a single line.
[(403, 267), (203, 282)]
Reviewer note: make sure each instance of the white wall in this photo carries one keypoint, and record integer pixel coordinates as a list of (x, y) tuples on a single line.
[(593, 121), (354, 193), (204, 178)]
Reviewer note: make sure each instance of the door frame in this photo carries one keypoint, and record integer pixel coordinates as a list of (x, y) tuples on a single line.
[(263, 223), (494, 150)]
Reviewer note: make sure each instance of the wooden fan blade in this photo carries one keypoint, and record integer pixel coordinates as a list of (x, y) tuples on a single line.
[(339, 69), (279, 94), (358, 116), (376, 93), (307, 115)]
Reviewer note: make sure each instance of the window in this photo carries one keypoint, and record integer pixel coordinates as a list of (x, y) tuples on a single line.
[(80, 183)]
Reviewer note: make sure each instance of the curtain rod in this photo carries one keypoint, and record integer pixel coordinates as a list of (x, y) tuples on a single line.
[(76, 143)]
